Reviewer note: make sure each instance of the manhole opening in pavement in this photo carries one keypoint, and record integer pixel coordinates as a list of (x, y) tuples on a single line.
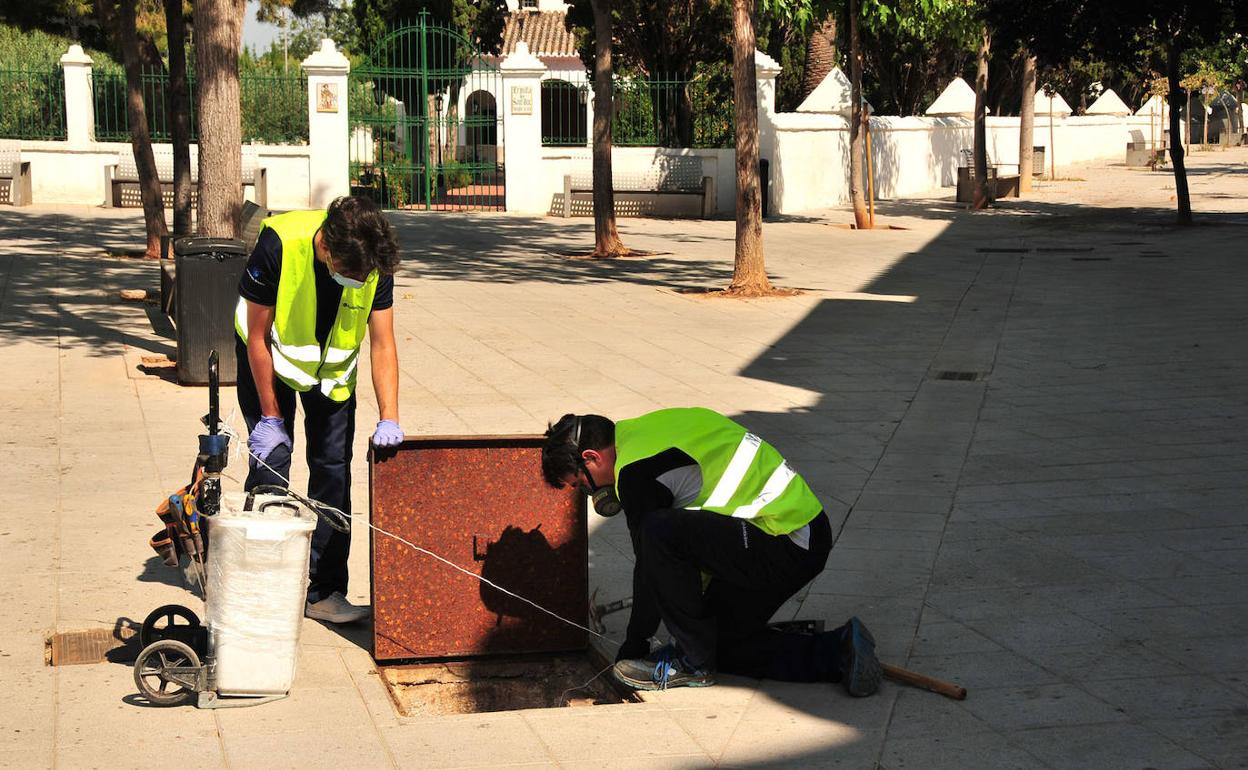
[(97, 645), (502, 684), (960, 376)]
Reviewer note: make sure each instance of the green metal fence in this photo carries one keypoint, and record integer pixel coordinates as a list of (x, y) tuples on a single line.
[(565, 110), (660, 111), (32, 103), (274, 107), (425, 123)]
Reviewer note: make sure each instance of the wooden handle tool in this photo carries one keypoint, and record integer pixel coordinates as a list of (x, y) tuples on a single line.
[(947, 689)]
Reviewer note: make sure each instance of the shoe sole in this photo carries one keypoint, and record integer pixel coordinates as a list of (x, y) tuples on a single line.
[(337, 620), (868, 676), (651, 685)]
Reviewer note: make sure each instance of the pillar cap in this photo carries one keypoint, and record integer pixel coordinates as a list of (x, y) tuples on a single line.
[(765, 66), (521, 62), (76, 56), (327, 61)]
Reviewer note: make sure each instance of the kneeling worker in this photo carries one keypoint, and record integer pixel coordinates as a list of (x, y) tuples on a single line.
[(724, 533), (315, 283)]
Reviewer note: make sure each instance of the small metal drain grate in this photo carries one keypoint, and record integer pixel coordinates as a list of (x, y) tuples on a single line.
[(960, 376), (97, 645)]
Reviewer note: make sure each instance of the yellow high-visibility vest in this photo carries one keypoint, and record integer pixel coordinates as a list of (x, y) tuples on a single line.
[(299, 360)]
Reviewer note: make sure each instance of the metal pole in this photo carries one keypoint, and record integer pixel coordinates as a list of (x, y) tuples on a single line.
[(866, 129), (1052, 143), (424, 107)]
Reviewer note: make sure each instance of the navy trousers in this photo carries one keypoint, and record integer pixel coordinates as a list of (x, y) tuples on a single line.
[(725, 627), (328, 429)]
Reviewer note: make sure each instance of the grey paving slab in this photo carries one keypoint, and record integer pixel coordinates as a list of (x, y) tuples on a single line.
[(1101, 747)]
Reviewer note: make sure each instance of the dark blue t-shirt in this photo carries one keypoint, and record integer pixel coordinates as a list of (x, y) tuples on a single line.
[(264, 268)]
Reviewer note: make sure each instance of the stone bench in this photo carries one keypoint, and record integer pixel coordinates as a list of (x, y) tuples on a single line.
[(999, 185), (121, 179), (16, 172), (675, 175)]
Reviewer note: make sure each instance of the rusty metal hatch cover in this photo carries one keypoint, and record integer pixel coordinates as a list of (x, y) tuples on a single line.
[(479, 502)]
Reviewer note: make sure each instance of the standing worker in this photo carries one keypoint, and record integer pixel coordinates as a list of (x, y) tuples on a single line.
[(724, 533), (316, 281)]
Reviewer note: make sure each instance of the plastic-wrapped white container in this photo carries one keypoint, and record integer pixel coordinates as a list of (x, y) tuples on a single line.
[(257, 585)]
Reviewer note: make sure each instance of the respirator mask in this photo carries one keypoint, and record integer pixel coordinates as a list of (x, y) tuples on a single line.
[(603, 496)]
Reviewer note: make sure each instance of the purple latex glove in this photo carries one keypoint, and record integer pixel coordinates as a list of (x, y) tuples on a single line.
[(269, 434), (388, 434)]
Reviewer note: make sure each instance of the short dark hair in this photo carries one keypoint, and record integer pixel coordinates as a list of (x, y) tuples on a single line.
[(359, 237), (561, 457)]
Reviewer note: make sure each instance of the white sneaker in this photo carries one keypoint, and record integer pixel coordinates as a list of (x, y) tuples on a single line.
[(335, 609)]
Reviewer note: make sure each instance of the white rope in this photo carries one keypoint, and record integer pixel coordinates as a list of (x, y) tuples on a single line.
[(229, 431), (564, 695)]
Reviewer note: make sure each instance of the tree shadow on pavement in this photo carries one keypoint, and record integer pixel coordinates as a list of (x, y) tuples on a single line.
[(1088, 340)]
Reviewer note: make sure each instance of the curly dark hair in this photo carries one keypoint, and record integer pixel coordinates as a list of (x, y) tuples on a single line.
[(561, 454), (359, 237)]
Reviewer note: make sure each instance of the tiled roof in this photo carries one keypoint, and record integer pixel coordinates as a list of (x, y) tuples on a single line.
[(544, 32)]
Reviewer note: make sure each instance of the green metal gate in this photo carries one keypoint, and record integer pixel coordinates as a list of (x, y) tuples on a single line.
[(426, 122)]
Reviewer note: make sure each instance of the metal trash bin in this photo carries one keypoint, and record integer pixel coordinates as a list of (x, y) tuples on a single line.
[(206, 286)]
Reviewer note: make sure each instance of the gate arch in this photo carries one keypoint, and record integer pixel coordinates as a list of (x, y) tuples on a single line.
[(416, 140)]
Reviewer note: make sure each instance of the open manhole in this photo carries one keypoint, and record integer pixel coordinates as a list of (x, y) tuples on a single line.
[(502, 684)]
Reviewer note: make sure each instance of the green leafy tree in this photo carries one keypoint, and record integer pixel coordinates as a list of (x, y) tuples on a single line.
[(1123, 32), (480, 20), (683, 42)]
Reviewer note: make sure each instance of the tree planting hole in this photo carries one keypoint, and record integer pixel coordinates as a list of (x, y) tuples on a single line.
[(502, 684)]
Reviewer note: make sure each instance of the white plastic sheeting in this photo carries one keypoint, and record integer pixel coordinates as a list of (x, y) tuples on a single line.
[(257, 585)]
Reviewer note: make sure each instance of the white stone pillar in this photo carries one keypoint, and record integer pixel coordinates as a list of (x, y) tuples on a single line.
[(79, 102), (328, 141), (522, 125), (766, 70)]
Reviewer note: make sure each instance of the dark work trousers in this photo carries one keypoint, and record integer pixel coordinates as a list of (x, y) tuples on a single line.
[(328, 429), (725, 627)]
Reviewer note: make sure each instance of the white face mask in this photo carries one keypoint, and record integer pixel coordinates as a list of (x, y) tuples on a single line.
[(342, 280), (345, 282)]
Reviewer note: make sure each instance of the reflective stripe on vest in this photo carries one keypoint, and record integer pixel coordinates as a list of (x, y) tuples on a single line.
[(299, 359), (742, 475)]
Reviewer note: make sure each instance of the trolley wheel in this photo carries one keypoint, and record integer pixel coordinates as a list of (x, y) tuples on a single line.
[(167, 673), (163, 623)]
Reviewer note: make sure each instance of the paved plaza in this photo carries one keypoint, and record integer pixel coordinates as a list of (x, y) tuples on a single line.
[(1060, 527)]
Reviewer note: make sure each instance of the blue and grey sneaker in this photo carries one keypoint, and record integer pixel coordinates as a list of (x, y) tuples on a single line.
[(860, 669), (662, 669)]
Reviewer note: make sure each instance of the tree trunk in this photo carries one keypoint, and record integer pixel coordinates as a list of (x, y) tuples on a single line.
[(606, 236), (749, 273), (861, 220), (179, 116), (820, 56), (218, 38), (1027, 123), (982, 199), (140, 137), (1173, 54)]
